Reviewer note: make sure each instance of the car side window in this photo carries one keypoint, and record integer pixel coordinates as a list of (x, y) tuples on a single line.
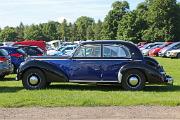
[(114, 50), (88, 51)]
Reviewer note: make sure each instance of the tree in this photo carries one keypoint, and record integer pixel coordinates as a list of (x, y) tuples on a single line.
[(97, 30), (161, 18), (20, 31), (64, 30), (8, 34), (73, 32), (90, 32), (50, 30), (177, 23), (133, 24), (82, 24), (111, 22), (33, 32)]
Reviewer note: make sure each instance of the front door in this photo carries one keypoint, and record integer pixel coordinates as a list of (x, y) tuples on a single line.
[(86, 64)]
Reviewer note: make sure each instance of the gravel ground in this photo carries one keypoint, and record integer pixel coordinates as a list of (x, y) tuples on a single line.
[(107, 113)]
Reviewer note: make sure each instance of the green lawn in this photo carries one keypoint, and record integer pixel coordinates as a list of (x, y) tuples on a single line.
[(12, 93)]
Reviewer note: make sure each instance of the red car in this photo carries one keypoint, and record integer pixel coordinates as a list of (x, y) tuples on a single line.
[(154, 52), (41, 44)]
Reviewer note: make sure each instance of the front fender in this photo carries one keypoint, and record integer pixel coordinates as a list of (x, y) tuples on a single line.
[(51, 71), (152, 74)]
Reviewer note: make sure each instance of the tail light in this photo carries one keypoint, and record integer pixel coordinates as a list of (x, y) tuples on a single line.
[(39, 55), (17, 55), (3, 59)]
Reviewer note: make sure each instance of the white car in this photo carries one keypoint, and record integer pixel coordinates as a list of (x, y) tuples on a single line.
[(51, 52), (174, 53)]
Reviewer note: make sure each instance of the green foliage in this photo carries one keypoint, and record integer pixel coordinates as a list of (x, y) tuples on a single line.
[(8, 34), (161, 18), (33, 32), (49, 30), (97, 30), (73, 32), (90, 33), (82, 24), (111, 22), (20, 30), (64, 31)]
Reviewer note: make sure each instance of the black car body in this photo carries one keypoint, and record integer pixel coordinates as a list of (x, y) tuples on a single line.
[(117, 62)]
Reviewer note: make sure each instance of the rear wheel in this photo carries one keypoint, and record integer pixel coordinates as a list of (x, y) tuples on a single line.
[(133, 80), (34, 79)]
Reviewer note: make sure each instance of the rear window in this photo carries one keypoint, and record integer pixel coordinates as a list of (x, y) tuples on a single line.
[(113, 50)]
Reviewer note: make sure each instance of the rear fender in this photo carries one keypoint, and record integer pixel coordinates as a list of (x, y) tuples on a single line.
[(151, 74)]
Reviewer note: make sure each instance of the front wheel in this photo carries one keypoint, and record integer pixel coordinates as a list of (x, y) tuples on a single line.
[(2, 77), (133, 80), (34, 79)]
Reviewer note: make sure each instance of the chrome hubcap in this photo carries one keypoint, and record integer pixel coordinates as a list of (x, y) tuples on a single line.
[(133, 80), (33, 80)]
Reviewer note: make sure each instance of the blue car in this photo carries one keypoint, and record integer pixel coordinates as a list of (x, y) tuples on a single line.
[(17, 56), (111, 62)]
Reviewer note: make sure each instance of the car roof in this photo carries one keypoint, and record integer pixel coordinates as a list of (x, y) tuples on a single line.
[(106, 42)]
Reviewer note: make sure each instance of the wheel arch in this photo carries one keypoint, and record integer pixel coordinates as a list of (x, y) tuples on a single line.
[(134, 68)]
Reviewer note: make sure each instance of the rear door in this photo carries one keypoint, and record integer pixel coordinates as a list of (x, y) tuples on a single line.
[(114, 56)]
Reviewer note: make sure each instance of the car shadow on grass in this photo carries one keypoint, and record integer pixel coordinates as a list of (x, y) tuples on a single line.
[(174, 88), (86, 87), (112, 88), (6, 89), (8, 79)]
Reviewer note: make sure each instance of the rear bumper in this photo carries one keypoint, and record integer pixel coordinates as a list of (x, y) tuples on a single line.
[(5, 71), (169, 80)]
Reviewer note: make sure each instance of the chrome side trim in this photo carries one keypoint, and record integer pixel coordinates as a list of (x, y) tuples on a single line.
[(87, 59), (50, 59), (92, 81), (119, 77), (103, 59)]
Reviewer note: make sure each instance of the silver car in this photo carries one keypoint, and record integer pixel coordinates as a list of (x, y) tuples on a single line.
[(173, 46)]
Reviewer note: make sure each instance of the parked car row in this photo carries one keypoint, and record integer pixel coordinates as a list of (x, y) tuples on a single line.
[(15, 54), (162, 49), (63, 50)]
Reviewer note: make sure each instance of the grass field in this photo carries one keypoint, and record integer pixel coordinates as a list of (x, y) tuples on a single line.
[(12, 94)]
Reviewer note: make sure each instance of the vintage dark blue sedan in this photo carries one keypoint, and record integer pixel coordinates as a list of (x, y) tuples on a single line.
[(112, 62)]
